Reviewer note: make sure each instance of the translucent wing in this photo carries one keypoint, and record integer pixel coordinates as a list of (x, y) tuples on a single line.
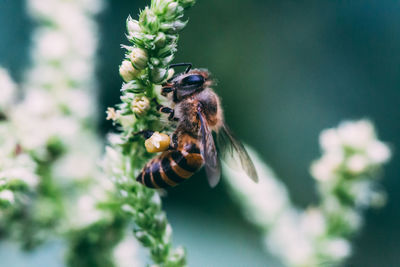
[(230, 148), (209, 152)]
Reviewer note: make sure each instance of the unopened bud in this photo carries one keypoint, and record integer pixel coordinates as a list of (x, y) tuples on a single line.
[(171, 10), (173, 27), (160, 39), (132, 25), (127, 71), (149, 20), (158, 75), (139, 58)]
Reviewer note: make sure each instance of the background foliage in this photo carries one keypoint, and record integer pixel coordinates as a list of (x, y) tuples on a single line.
[(286, 70)]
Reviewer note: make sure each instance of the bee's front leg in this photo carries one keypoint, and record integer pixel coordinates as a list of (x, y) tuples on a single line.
[(166, 89), (169, 111), (166, 110)]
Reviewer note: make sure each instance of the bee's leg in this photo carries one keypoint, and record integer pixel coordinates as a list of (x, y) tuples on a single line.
[(174, 141), (166, 110), (166, 90), (169, 111), (189, 66), (145, 133)]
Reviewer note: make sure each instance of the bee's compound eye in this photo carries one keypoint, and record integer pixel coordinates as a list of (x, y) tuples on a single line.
[(194, 79)]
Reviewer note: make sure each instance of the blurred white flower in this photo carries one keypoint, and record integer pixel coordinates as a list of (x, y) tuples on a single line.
[(20, 173), (77, 69), (325, 168), (263, 200), (7, 89), (346, 186), (85, 212), (330, 140), (356, 134), (58, 101), (357, 164), (51, 45), (338, 248), (313, 222), (288, 240), (93, 6), (126, 252), (7, 195), (378, 152)]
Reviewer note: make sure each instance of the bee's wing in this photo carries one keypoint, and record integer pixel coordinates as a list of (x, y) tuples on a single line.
[(209, 152), (230, 147)]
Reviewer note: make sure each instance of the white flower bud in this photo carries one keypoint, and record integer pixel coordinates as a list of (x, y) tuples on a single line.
[(140, 104), (170, 10), (161, 6), (139, 58), (149, 20), (132, 26), (127, 71), (160, 39)]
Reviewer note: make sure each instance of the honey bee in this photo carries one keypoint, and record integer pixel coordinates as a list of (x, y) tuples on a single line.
[(198, 113)]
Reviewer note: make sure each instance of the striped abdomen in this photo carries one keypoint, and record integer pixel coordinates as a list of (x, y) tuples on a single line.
[(171, 167)]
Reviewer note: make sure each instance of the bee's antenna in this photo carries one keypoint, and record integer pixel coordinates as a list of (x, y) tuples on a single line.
[(189, 66)]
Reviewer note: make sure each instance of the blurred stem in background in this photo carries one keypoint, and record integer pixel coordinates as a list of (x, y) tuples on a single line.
[(346, 175)]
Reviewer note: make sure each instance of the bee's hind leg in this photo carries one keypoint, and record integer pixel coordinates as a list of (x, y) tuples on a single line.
[(145, 133), (174, 141)]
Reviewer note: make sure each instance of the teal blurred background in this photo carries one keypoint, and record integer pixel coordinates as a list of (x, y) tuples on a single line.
[(285, 70)]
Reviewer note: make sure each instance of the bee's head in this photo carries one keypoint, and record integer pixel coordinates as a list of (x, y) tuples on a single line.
[(189, 82)]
